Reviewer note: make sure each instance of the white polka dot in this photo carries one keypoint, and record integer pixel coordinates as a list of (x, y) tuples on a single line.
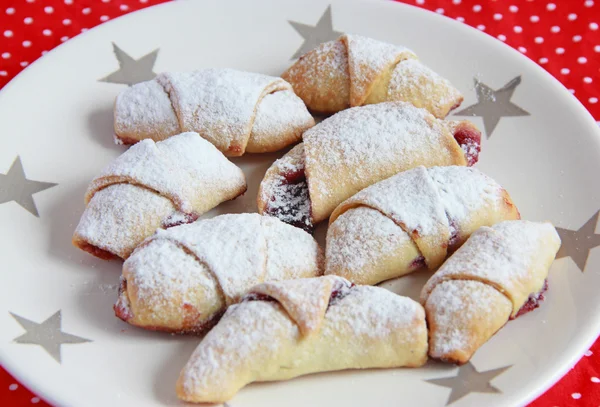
[(421, 2), (594, 379), (522, 50), (27, 44), (560, 50), (555, 29), (502, 37), (453, 1), (587, 79), (572, 91), (440, 11), (48, 10), (84, 30), (593, 26), (538, 40), (576, 396), (481, 27), (63, 39), (497, 16), (103, 18), (572, 17), (593, 100), (44, 52), (588, 353), (125, 7), (534, 19), (551, 6), (47, 32), (582, 60), (477, 8), (565, 71), (24, 64), (105, 1), (66, 21), (68, 2), (35, 400), (597, 48), (518, 29), (146, 1), (86, 11), (28, 20), (5, 55), (589, 3), (8, 33), (461, 19), (10, 11), (543, 60), (513, 9), (30, 1), (3, 73), (15, 386), (576, 38)]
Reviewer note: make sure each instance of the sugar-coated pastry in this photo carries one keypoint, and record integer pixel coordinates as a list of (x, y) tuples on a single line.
[(354, 71), (236, 111), (182, 279), (356, 148), (296, 327), (498, 274), (151, 186), (412, 220)]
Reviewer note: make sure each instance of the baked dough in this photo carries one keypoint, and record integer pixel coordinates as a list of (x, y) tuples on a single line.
[(354, 71), (296, 327), (497, 275), (236, 111), (412, 220), (182, 279), (356, 148), (150, 186)]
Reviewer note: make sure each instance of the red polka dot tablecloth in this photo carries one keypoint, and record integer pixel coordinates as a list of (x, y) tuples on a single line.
[(562, 36)]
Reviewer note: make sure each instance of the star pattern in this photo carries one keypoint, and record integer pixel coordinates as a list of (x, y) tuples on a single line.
[(47, 334), (492, 105), (315, 35), (577, 244), (132, 71), (469, 380), (14, 186)]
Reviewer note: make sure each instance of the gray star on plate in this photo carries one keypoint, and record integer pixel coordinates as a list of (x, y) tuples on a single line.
[(14, 186), (47, 334), (315, 35), (469, 380), (492, 105), (577, 244), (132, 71)]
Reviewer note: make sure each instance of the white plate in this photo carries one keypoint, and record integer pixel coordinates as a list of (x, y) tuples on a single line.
[(56, 116)]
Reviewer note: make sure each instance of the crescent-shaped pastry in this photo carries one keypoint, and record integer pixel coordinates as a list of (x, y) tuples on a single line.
[(354, 71), (236, 111), (356, 148), (413, 219), (182, 279), (151, 186), (498, 274), (292, 328)]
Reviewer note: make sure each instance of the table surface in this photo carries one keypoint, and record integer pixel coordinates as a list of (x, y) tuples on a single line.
[(561, 35)]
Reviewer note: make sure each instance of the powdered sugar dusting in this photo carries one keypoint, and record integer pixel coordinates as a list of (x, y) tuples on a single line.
[(455, 306), (411, 79), (145, 108), (356, 255), (219, 103), (503, 255)]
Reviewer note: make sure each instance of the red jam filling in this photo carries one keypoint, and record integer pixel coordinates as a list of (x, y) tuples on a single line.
[(533, 302), (469, 140), (340, 290), (417, 263), (178, 219), (121, 310), (292, 203)]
